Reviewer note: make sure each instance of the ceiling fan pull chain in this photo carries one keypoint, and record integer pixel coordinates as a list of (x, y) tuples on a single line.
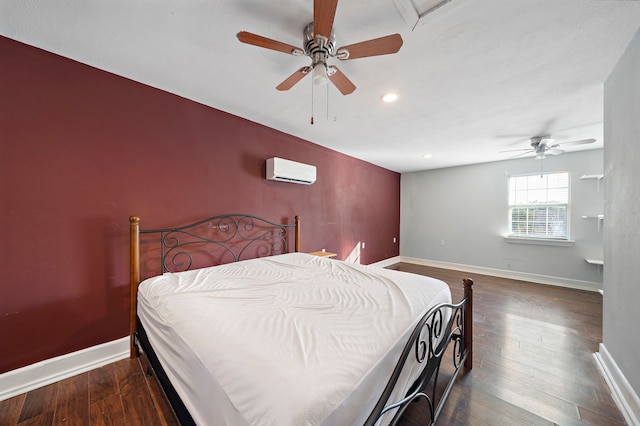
[(311, 102), (327, 101)]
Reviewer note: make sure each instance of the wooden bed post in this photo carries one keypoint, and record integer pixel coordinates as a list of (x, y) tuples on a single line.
[(134, 279), (297, 234), (468, 321)]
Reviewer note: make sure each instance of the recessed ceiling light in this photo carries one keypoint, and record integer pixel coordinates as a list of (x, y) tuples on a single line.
[(427, 156), (390, 97)]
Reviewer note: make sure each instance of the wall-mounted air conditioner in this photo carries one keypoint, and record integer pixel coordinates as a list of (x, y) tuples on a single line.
[(290, 171)]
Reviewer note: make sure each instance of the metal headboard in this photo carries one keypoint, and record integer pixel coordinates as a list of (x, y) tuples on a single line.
[(221, 239), (218, 239)]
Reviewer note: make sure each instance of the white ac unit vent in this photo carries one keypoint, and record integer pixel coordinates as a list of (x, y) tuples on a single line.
[(290, 171)]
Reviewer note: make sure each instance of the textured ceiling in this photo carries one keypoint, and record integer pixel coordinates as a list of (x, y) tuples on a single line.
[(473, 77)]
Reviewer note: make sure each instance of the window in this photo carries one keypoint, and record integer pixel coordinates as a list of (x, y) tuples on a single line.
[(539, 206)]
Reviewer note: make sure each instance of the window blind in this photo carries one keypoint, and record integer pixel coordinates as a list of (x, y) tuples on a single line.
[(538, 205)]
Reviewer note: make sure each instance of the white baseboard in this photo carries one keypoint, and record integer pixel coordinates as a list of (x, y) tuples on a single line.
[(625, 397), (514, 275), (387, 262), (25, 379)]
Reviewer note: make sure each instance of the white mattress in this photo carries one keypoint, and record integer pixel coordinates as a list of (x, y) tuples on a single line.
[(292, 340)]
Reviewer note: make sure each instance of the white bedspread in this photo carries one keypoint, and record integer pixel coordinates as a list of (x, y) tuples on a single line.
[(292, 340)]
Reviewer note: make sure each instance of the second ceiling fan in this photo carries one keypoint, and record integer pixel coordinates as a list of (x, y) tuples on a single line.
[(319, 45), (543, 145)]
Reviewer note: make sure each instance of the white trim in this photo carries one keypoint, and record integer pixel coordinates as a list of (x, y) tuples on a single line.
[(511, 239), (623, 394), (25, 379), (514, 275), (387, 262)]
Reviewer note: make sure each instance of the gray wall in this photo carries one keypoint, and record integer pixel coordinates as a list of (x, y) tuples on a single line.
[(622, 226), (466, 207)]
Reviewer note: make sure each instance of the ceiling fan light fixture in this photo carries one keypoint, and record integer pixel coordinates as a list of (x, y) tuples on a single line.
[(540, 156), (320, 74)]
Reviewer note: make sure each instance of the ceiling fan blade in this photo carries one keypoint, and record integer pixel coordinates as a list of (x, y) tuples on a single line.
[(291, 81), (342, 83), (324, 11), (554, 151), (522, 154), (580, 142), (267, 43), (377, 46), (516, 150)]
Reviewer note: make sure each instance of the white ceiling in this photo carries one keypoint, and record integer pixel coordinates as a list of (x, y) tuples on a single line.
[(473, 77)]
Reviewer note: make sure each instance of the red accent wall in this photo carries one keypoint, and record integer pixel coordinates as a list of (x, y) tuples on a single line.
[(83, 149)]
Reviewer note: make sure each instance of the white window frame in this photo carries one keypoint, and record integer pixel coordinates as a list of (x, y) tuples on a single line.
[(535, 199)]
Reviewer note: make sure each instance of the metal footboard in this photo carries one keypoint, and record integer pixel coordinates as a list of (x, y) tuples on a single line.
[(440, 326)]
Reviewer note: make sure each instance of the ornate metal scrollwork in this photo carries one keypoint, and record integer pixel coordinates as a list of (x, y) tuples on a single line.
[(428, 343), (456, 336), (235, 237)]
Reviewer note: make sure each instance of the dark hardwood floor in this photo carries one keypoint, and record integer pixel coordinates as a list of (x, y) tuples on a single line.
[(533, 364), (116, 394), (533, 360)]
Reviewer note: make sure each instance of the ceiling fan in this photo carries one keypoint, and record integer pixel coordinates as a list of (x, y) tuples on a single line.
[(319, 45), (543, 145)]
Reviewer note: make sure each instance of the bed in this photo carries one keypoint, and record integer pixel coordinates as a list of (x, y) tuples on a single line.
[(241, 328)]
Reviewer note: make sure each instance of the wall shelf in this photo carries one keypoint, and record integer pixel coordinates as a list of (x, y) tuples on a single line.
[(598, 262), (599, 217), (597, 177)]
